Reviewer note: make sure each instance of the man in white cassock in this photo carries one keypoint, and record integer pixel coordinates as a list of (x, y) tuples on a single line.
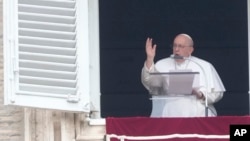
[(197, 104)]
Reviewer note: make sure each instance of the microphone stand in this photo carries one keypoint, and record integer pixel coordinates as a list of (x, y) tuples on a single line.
[(206, 81)]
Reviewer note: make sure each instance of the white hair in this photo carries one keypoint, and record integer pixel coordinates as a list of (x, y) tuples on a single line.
[(188, 37)]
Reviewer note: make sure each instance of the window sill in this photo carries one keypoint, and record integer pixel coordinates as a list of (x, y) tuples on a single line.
[(97, 122)]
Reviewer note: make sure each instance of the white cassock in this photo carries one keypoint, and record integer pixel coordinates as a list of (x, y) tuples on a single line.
[(210, 84)]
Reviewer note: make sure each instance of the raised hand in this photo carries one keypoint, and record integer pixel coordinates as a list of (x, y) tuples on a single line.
[(150, 52)]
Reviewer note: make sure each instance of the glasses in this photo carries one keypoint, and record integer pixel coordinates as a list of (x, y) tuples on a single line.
[(174, 46)]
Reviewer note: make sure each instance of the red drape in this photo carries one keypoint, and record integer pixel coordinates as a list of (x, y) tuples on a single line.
[(202, 127)]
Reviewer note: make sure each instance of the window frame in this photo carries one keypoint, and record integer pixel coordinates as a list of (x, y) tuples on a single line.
[(89, 100)]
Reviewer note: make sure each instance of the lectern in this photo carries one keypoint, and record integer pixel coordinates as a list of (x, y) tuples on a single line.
[(171, 92)]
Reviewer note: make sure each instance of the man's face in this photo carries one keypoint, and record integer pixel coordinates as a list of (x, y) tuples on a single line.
[(182, 46)]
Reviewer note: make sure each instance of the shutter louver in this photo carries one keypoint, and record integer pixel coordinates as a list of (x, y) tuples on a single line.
[(37, 37), (46, 62), (46, 54)]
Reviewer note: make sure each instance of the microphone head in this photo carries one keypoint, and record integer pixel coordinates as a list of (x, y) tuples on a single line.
[(175, 56)]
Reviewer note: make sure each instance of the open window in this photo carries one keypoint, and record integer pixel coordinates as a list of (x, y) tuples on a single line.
[(51, 54)]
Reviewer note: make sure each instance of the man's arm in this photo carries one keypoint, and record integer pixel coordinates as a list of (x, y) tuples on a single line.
[(145, 75)]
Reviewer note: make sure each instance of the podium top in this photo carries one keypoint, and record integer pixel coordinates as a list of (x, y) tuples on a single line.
[(174, 72), (173, 82)]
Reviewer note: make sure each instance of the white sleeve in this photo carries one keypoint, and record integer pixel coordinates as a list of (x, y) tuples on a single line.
[(145, 76)]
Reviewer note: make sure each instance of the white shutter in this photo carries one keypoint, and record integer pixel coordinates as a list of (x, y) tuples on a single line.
[(46, 52)]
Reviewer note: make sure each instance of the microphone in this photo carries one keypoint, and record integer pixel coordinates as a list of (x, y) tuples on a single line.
[(178, 57)]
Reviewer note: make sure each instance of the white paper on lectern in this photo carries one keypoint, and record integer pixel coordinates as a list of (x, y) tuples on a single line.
[(181, 83)]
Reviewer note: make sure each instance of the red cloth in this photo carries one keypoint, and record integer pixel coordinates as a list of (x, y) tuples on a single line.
[(145, 126)]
